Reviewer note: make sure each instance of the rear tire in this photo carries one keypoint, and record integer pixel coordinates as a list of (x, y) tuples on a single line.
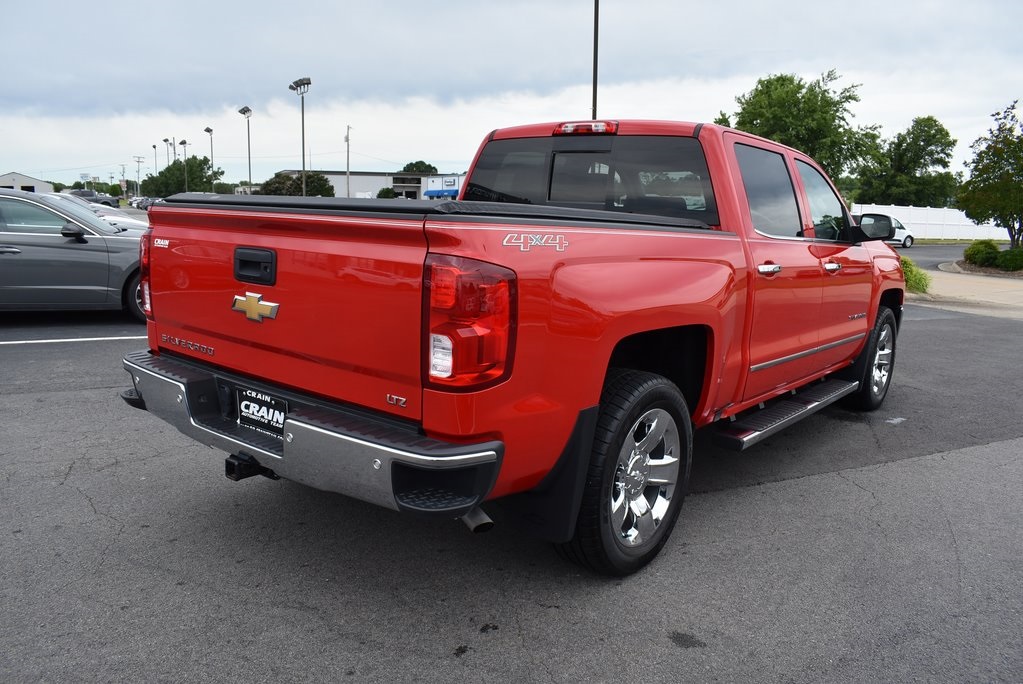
[(638, 474)]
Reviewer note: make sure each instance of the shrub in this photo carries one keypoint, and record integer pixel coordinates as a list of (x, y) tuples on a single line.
[(917, 279), (1010, 260), (982, 253)]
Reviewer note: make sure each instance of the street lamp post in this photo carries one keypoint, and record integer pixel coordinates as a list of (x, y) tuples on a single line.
[(167, 145), (184, 157), (213, 183), (247, 113), (596, 23), (155, 162), (301, 86), (348, 162)]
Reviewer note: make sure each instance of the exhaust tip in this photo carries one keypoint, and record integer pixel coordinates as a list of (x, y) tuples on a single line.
[(477, 521)]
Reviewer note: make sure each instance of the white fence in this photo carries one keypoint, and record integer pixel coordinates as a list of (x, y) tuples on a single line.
[(937, 224)]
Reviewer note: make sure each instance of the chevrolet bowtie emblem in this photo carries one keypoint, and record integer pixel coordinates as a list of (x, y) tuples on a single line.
[(254, 308)]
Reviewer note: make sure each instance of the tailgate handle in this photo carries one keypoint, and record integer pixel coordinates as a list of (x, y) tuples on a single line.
[(257, 266)]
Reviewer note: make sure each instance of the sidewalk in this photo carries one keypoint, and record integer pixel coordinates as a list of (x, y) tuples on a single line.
[(953, 289)]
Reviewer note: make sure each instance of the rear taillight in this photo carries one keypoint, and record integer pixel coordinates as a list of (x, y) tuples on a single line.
[(587, 128), (144, 248), (470, 322)]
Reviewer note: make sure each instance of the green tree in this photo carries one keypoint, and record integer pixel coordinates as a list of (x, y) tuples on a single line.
[(907, 169), (280, 184), (316, 185), (419, 167), (171, 179), (811, 117), (386, 193), (994, 191)]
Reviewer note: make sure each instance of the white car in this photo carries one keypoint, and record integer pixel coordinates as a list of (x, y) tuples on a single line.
[(115, 217), (903, 236)]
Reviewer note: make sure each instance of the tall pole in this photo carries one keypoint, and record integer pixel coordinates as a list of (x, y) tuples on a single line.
[(184, 158), (596, 23), (300, 86), (213, 183), (138, 172), (303, 144), (246, 111), (348, 163), (155, 163), (166, 145)]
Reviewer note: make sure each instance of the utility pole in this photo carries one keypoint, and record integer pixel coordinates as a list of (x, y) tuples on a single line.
[(138, 173)]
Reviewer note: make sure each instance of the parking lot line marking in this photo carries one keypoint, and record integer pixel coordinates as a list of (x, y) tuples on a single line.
[(74, 339)]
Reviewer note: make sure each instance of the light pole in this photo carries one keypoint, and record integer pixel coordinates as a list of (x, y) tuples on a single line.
[(155, 163), (184, 157), (213, 183), (596, 23), (247, 113), (301, 86), (348, 162)]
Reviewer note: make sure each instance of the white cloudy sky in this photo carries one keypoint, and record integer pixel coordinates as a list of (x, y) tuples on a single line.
[(87, 89)]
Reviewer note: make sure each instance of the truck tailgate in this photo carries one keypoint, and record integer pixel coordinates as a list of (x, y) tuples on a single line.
[(326, 302)]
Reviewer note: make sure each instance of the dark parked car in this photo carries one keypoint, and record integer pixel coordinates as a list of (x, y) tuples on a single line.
[(56, 255), (97, 197)]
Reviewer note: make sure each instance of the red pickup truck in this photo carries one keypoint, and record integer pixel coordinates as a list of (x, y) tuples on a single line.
[(545, 345)]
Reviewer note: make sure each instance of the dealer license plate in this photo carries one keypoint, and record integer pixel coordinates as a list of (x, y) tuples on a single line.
[(261, 411)]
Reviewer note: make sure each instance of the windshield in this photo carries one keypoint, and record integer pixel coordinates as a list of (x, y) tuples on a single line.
[(69, 207)]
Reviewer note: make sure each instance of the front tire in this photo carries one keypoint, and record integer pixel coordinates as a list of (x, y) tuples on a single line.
[(638, 474), (876, 363), (908, 242), (133, 299)]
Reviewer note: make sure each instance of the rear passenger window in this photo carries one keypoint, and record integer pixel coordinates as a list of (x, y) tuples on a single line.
[(828, 215), (769, 191)]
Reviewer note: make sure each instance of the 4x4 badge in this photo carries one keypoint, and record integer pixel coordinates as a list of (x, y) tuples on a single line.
[(254, 308)]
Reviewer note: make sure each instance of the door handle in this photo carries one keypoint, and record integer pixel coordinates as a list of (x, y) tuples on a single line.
[(7, 249), (768, 269), (832, 267)]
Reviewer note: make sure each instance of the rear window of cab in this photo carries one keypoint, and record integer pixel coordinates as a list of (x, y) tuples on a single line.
[(658, 175)]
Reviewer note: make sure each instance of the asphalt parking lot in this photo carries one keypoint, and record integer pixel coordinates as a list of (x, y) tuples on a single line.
[(852, 547)]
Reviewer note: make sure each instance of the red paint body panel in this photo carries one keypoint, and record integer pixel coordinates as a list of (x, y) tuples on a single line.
[(574, 308), (349, 292)]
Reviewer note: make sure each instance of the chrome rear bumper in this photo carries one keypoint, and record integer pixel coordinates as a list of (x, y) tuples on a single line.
[(324, 446)]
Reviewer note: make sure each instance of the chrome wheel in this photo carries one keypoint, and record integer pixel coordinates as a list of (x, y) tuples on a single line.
[(874, 366), (645, 478), (881, 368), (637, 475)]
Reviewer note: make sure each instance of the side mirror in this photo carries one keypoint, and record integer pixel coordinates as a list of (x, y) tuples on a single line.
[(876, 227), (74, 232)]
